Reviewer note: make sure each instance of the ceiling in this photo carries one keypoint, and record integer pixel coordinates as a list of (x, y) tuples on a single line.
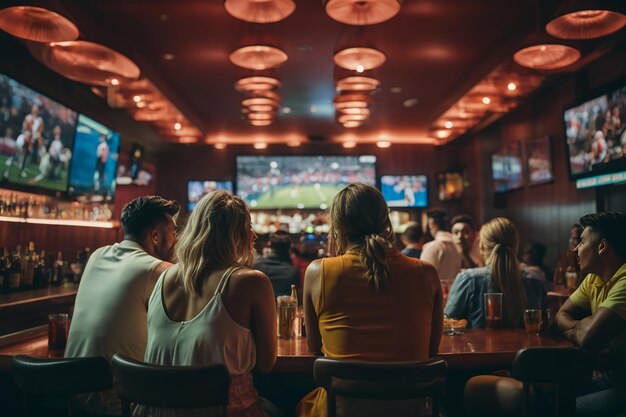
[(436, 51)]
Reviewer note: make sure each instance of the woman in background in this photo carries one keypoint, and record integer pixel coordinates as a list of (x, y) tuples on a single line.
[(368, 302), (520, 288)]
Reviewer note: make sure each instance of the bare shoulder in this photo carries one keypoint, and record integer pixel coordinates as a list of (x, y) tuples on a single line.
[(170, 281), (314, 267), (249, 278)]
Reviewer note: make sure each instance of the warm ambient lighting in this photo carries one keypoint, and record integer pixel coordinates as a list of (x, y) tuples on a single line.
[(114, 81), (60, 222), (257, 83), (351, 124), (362, 57), (547, 57), (512, 86), (137, 99), (256, 11), (360, 68), (258, 57), (448, 124), (357, 83), (383, 144), (37, 24), (362, 12), (177, 126), (486, 100), (349, 144), (260, 145), (441, 134), (586, 24), (293, 143), (220, 145)]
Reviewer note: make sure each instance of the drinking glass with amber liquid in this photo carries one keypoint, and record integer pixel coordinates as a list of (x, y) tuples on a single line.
[(493, 310), (532, 321)]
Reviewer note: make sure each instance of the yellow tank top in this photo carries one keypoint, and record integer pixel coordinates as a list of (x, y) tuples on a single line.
[(358, 324)]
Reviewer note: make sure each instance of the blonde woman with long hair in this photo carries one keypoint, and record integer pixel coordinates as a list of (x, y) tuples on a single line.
[(520, 287), (368, 301), (210, 308)]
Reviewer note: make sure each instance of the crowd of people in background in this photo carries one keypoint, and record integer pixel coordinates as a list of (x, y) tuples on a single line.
[(360, 294)]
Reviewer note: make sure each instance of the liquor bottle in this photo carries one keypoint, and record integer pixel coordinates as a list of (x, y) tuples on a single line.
[(28, 266), (39, 274), (294, 294), (15, 277), (4, 271), (57, 274)]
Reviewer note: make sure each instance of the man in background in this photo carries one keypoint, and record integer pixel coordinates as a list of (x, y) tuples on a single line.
[(110, 313), (441, 252), (464, 237), (276, 264), (412, 239)]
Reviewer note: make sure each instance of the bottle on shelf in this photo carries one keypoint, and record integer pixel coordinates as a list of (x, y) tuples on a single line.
[(4, 270), (28, 266), (58, 271), (15, 277), (39, 273)]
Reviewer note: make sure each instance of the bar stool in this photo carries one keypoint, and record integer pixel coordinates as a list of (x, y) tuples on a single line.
[(563, 367), (178, 387), (60, 377), (381, 380)]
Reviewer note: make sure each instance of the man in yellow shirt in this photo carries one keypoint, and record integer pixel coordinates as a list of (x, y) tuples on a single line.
[(594, 317)]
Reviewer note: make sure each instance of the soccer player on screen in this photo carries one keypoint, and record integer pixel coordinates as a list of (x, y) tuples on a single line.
[(102, 154)]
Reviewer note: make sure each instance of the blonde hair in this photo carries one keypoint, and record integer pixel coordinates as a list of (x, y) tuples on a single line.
[(359, 216), (217, 235), (500, 241)]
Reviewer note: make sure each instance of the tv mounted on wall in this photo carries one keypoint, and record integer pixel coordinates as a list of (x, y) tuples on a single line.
[(506, 166), (405, 190), (196, 189), (300, 182)]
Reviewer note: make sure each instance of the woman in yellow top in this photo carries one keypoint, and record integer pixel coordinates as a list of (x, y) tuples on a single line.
[(368, 302)]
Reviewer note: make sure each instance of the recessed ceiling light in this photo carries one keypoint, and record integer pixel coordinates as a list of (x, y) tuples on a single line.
[(286, 110), (511, 86), (137, 99), (220, 145), (360, 68), (114, 81), (168, 57), (410, 102), (383, 144), (486, 100), (260, 145), (293, 143), (448, 124), (177, 126), (395, 90), (349, 144), (141, 104), (441, 134)]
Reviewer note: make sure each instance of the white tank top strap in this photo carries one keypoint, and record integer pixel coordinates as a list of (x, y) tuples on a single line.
[(158, 288), (225, 278)]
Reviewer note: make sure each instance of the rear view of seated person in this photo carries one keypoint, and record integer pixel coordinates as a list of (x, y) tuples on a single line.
[(533, 257), (499, 242), (594, 318), (368, 302), (276, 263), (412, 239)]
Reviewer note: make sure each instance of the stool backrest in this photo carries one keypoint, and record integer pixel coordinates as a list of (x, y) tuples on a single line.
[(178, 387), (381, 380), (563, 367), (65, 376)]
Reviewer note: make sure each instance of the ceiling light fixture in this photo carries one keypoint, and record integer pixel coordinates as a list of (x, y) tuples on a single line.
[(586, 24), (511, 86), (258, 57), (486, 100), (355, 110), (286, 110), (351, 124), (220, 145), (359, 58), (261, 122), (342, 101), (260, 101), (357, 83), (260, 145), (383, 144), (177, 126), (168, 57), (343, 118), (137, 99), (448, 124), (257, 83), (349, 144), (86, 62), (547, 56), (260, 11), (293, 143), (261, 116), (37, 24), (362, 12)]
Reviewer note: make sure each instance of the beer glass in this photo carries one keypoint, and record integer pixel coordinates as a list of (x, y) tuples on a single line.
[(493, 310), (532, 320), (287, 307), (58, 327)]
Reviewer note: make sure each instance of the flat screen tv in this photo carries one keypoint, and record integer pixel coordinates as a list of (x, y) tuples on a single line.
[(595, 132), (300, 182), (94, 164), (405, 190), (506, 165), (198, 189), (450, 185), (539, 159), (36, 136)]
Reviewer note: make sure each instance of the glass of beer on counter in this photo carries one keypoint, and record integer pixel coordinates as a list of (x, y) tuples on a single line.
[(58, 327), (532, 320), (287, 309), (493, 310)]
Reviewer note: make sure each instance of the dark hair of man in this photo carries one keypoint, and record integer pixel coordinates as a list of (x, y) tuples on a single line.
[(413, 233), (143, 213), (464, 218), (439, 217), (280, 242), (609, 225)]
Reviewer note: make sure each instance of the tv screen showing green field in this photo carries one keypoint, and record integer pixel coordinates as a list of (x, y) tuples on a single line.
[(300, 182)]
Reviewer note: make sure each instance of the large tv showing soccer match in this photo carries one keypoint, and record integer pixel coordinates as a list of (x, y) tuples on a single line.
[(506, 166), (36, 136), (198, 189), (300, 182), (94, 164), (405, 190), (595, 132)]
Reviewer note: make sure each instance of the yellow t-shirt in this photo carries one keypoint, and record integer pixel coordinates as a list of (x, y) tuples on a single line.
[(592, 294)]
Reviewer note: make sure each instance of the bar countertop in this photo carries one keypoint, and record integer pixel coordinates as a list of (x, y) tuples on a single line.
[(475, 349)]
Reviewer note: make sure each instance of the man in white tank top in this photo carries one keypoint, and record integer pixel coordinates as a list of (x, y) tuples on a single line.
[(111, 305)]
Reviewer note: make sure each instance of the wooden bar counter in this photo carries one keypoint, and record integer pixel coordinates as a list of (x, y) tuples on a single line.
[(475, 349)]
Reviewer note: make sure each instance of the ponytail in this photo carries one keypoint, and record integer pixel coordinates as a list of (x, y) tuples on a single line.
[(373, 258)]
